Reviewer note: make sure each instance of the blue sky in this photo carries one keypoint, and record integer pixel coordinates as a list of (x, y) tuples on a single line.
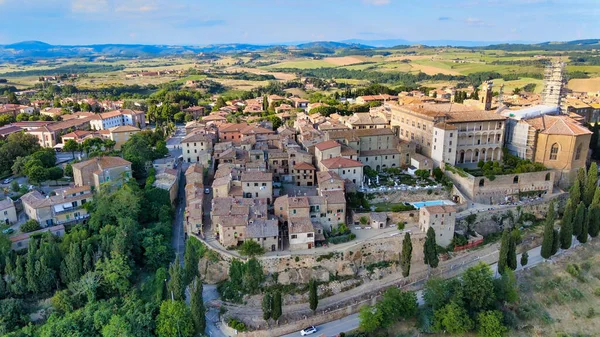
[(200, 22)]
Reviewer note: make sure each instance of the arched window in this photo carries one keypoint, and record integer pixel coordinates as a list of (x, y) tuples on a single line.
[(516, 180), (548, 176), (481, 182), (554, 151), (578, 152)]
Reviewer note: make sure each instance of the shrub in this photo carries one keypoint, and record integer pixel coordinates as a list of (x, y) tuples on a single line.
[(401, 225), (341, 239), (597, 292), (297, 259), (237, 325), (30, 226)]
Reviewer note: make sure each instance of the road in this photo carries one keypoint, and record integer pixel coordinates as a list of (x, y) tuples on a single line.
[(350, 322), (209, 292)]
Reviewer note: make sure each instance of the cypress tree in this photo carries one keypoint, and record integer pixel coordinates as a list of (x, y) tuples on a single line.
[(406, 255), (430, 252), (511, 259), (267, 306), (197, 306), (579, 219), (190, 261), (566, 227), (591, 184), (88, 259), (548, 232), (594, 224), (575, 193), (504, 247), (313, 296), (524, 259), (265, 105), (596, 199), (276, 311), (44, 275), (582, 179), (32, 281), (175, 285), (555, 241), (72, 267), (3, 288), (19, 283), (583, 236)]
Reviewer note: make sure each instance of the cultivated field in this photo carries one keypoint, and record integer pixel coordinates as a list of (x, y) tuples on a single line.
[(585, 84)]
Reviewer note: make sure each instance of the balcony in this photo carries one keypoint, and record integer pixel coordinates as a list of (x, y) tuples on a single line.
[(73, 220)]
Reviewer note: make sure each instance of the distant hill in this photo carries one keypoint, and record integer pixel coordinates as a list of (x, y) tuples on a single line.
[(28, 50)]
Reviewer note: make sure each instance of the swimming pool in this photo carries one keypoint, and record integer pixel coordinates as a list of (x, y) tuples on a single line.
[(420, 204)]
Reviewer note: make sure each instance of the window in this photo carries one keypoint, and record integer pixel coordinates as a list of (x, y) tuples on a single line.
[(294, 236), (294, 211), (578, 152), (547, 176), (451, 134), (255, 184), (516, 180), (309, 235), (481, 183), (554, 151)]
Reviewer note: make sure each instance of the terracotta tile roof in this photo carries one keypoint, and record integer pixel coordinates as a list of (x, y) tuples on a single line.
[(382, 152), (124, 128), (340, 162), (256, 176), (276, 97), (304, 166), (77, 115), (334, 197), (300, 225), (103, 163), (328, 175), (297, 202), (6, 203), (196, 137), (445, 126), (262, 228), (110, 114), (25, 236), (213, 118), (8, 129), (557, 125), (439, 209), (355, 134), (326, 145), (348, 151)]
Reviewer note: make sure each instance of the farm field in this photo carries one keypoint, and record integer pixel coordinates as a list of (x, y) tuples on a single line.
[(585, 84)]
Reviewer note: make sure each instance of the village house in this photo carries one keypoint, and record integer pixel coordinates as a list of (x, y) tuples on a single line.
[(66, 207), (21, 241), (197, 147), (8, 212), (348, 169), (114, 171), (304, 174), (442, 219), (257, 184), (111, 119), (231, 216), (50, 134), (195, 111)]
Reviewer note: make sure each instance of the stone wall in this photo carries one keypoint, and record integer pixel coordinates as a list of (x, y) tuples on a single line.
[(486, 191)]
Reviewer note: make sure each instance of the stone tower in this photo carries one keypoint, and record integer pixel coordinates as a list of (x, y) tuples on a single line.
[(485, 97), (554, 84)]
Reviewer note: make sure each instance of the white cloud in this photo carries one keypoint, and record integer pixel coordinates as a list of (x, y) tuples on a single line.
[(377, 2), (89, 6)]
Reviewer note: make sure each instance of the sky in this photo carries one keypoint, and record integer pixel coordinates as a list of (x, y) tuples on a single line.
[(202, 22)]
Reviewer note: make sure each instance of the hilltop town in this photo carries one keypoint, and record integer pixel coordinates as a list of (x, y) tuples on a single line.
[(319, 199)]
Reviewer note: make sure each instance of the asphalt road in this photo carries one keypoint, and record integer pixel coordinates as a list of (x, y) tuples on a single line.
[(350, 323)]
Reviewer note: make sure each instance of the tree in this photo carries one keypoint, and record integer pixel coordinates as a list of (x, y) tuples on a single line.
[(490, 324), (506, 287), (453, 319), (512, 251), (190, 261), (396, 304), (161, 149), (579, 219), (548, 239), (555, 241), (430, 252), (117, 327), (30, 226), (176, 284), (277, 305), (575, 193), (267, 306), (37, 174), (115, 273), (251, 248), (594, 224), (313, 296), (406, 255), (174, 320), (524, 259), (591, 184), (369, 319), (582, 179), (71, 146), (504, 247), (566, 227), (197, 306), (583, 235), (478, 286), (265, 103)]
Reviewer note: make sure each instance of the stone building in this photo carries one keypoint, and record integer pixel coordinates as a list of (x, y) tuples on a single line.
[(349, 169), (442, 219), (66, 207), (304, 174), (376, 148), (264, 232), (257, 184), (8, 212), (102, 170), (197, 147)]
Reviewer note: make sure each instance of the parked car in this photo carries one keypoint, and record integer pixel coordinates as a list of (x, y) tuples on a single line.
[(7, 180), (8, 231), (308, 331), (207, 190)]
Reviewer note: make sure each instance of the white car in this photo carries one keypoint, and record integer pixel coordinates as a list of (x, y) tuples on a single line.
[(308, 331)]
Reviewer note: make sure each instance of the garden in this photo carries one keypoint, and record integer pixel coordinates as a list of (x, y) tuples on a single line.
[(395, 178)]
